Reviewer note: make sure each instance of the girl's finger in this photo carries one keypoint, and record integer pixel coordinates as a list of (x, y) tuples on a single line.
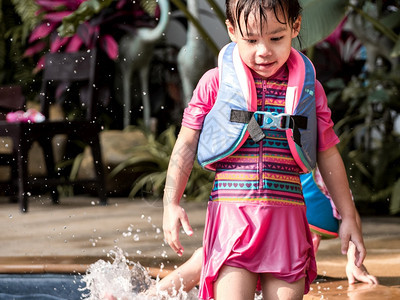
[(175, 243), (186, 225)]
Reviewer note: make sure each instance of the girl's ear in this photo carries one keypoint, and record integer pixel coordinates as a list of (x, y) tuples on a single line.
[(231, 30), (296, 27)]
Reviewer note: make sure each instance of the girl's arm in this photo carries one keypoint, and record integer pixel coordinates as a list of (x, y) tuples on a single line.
[(333, 172), (179, 168)]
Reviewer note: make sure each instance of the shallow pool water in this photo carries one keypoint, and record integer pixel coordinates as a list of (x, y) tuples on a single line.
[(40, 286)]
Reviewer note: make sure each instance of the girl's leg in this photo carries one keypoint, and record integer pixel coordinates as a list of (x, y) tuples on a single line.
[(235, 284), (189, 273), (274, 289), (316, 239)]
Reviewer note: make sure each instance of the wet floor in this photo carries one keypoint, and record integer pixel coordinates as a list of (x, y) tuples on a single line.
[(340, 289), (78, 232)]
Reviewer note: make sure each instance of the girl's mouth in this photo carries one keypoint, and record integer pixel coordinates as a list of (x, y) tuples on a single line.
[(266, 65)]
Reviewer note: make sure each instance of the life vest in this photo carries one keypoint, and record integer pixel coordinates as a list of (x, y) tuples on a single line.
[(320, 216), (225, 128)]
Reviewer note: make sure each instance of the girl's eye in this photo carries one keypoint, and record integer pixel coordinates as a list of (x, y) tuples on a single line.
[(251, 41), (275, 39)]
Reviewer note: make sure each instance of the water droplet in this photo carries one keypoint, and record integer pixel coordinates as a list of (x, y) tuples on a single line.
[(126, 234)]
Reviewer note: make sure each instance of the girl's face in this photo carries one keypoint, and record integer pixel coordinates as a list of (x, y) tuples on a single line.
[(267, 51)]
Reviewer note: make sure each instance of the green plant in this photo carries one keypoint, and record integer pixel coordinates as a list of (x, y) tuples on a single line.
[(369, 143), (90, 8), (85, 24), (151, 160), (368, 106), (17, 19)]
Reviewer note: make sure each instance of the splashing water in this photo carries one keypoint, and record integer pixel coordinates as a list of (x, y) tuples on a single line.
[(125, 280)]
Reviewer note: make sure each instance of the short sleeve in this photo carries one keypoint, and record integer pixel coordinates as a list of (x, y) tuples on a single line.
[(202, 101), (327, 137)]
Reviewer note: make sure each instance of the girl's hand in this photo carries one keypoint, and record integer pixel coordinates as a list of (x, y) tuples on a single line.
[(175, 217), (350, 231), (361, 274), (357, 273)]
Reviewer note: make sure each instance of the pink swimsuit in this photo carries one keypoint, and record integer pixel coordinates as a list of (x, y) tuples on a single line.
[(256, 217)]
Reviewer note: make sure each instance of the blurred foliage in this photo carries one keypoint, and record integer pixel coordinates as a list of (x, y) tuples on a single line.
[(367, 107), (17, 20), (88, 9), (151, 161), (383, 16), (369, 144)]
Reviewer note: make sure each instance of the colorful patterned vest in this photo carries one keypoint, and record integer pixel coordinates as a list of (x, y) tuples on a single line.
[(234, 115)]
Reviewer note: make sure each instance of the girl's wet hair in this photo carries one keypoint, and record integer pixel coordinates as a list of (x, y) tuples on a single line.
[(286, 11)]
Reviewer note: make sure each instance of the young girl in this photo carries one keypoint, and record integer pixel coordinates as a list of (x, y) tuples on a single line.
[(260, 114), (323, 220)]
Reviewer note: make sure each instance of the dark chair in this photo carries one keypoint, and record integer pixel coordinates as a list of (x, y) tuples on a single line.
[(11, 99), (61, 70)]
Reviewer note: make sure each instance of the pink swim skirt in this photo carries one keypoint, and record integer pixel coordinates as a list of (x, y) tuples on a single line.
[(261, 238)]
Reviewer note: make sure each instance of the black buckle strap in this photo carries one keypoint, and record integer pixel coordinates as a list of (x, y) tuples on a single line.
[(247, 117), (255, 124)]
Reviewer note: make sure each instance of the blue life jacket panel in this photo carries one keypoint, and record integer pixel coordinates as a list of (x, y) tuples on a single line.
[(319, 209)]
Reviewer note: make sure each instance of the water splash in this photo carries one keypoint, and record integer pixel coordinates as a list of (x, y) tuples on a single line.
[(122, 279)]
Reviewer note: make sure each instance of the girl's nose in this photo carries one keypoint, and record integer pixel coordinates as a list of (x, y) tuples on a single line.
[(263, 50)]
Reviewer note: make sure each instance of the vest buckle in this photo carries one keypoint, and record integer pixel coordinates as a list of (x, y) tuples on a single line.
[(273, 119)]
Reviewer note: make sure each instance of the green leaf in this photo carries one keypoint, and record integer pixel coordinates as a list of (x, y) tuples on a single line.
[(378, 96), (85, 11), (149, 6), (376, 23), (207, 38), (319, 19), (218, 11), (396, 49), (139, 184), (391, 20)]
